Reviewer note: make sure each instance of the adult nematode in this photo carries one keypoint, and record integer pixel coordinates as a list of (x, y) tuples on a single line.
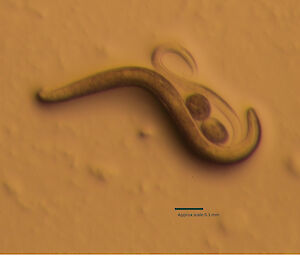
[(207, 136)]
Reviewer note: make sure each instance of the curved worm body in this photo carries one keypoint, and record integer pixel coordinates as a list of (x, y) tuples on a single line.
[(157, 62), (161, 88)]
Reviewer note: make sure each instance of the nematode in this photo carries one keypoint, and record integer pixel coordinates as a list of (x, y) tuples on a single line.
[(207, 140)]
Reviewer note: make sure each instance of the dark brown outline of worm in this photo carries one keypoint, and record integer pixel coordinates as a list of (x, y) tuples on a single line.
[(160, 87)]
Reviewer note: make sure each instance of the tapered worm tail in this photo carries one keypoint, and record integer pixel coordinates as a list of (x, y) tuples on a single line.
[(173, 102)]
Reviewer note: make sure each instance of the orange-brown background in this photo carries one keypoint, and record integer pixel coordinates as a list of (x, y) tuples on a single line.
[(78, 176)]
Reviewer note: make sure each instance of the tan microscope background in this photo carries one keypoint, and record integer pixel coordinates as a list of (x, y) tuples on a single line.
[(103, 173)]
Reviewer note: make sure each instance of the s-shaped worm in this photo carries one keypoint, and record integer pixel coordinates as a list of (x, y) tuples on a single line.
[(206, 141)]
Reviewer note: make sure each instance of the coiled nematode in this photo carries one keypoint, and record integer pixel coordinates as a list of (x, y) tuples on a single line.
[(205, 134)]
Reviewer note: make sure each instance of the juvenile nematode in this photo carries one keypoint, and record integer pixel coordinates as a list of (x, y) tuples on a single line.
[(206, 135)]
